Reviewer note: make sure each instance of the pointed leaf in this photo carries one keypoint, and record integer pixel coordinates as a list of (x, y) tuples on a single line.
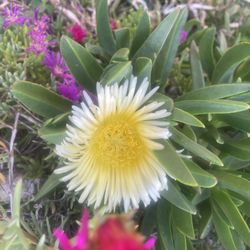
[(122, 37), (182, 116), (197, 107), (40, 100), (177, 198), (194, 147), (157, 38), (174, 165), (81, 63), (104, 32), (196, 68), (227, 64), (142, 68)]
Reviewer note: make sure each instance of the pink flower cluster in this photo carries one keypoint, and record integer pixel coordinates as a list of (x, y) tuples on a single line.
[(112, 234), (66, 85), (78, 33)]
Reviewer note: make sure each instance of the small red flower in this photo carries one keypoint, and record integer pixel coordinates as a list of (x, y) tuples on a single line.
[(78, 33)]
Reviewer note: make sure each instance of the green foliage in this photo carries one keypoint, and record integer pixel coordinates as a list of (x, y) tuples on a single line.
[(207, 157)]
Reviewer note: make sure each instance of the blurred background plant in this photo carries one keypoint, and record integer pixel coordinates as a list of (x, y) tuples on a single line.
[(213, 53)]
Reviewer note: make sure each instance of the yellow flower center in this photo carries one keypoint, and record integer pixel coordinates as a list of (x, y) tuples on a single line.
[(117, 142)]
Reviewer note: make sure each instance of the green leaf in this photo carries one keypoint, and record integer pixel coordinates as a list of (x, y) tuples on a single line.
[(141, 34), (206, 46), (240, 120), (40, 100), (168, 102), (116, 73), (164, 224), (227, 64), (104, 32), (223, 232), (194, 147), (197, 107), (182, 116), (142, 68), (196, 68), (151, 47), (120, 56), (53, 130), (183, 222), (177, 198), (216, 91), (233, 182), (174, 165), (81, 63), (203, 178), (179, 240), (205, 220), (163, 63), (233, 214), (122, 37), (52, 182), (237, 241)]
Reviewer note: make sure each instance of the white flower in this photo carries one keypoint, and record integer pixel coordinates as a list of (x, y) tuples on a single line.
[(109, 147)]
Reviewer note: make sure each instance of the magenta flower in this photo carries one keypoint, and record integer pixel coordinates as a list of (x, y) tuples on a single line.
[(183, 36), (69, 89), (38, 34), (78, 33), (55, 63), (13, 15), (112, 234)]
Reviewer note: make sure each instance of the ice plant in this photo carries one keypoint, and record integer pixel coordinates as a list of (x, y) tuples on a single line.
[(109, 147), (39, 34), (55, 63), (13, 15), (69, 89), (78, 33), (112, 234)]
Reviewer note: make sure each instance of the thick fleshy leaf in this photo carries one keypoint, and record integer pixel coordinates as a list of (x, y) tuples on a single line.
[(164, 222), (182, 116), (122, 37), (203, 178), (233, 214), (227, 64), (223, 232), (157, 38), (196, 68), (163, 63), (216, 92), (179, 240), (120, 56), (104, 32), (240, 120), (234, 182), (141, 34), (206, 47), (177, 198), (142, 68), (174, 165), (198, 107), (183, 222), (40, 100), (194, 147), (116, 73), (168, 102), (81, 63), (205, 220)]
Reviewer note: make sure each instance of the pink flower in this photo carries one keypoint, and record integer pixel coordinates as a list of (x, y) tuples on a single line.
[(113, 24), (112, 234), (78, 33), (183, 36), (13, 15)]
